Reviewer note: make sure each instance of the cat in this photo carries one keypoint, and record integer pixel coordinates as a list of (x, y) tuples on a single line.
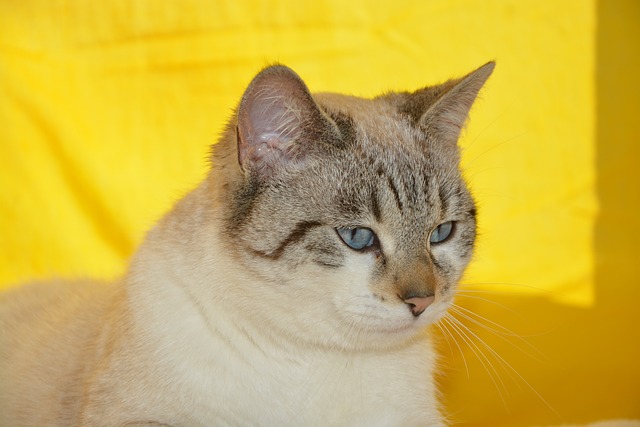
[(293, 287)]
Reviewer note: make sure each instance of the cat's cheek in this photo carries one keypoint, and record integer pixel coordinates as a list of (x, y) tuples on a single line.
[(354, 281), (450, 264), (366, 308), (355, 297)]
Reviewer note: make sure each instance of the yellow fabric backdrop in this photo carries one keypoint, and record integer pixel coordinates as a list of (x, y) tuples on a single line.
[(107, 110)]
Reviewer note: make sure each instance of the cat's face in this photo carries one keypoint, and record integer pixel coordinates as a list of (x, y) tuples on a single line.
[(352, 212)]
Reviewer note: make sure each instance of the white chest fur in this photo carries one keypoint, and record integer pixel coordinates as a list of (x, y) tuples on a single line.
[(222, 370)]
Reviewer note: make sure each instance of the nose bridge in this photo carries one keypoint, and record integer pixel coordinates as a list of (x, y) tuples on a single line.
[(416, 278)]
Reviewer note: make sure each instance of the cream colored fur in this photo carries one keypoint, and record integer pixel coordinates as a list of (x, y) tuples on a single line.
[(201, 333), (162, 351)]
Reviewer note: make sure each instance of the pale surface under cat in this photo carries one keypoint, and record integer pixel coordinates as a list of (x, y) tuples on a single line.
[(293, 287)]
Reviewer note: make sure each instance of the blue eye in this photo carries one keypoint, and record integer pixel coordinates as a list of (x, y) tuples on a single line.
[(442, 232), (357, 238)]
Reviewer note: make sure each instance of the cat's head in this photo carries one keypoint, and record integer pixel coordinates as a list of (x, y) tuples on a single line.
[(350, 214)]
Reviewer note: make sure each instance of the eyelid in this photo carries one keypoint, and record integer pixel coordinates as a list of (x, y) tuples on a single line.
[(374, 243), (436, 239)]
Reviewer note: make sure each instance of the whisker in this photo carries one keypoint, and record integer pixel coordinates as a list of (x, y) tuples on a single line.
[(506, 365), (489, 125), (444, 333), (469, 164), (484, 360), (461, 326), (445, 330), (507, 288), (506, 307), (501, 333), (482, 342), (504, 330), (505, 284), (466, 313)]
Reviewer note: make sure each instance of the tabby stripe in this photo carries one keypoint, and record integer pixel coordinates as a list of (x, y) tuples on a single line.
[(325, 255), (444, 199), (394, 190), (328, 264), (298, 232), (411, 189), (346, 128), (375, 204)]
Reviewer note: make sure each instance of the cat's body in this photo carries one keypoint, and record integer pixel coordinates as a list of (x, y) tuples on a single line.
[(294, 286)]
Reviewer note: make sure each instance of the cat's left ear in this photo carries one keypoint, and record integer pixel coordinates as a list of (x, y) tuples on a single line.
[(447, 106)]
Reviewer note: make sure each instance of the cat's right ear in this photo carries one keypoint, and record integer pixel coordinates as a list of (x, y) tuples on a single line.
[(277, 119)]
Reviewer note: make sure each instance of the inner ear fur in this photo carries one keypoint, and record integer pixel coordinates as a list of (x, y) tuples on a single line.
[(278, 122)]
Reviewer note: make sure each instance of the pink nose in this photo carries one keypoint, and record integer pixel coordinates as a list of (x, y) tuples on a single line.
[(419, 304)]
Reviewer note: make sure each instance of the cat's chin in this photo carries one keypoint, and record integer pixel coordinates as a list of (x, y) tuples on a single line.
[(407, 327), (379, 333), (383, 339)]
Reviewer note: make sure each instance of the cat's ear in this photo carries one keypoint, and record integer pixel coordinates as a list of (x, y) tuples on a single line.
[(448, 105), (277, 121)]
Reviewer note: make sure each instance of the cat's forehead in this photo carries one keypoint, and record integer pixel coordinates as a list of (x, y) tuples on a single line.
[(376, 126), (367, 113)]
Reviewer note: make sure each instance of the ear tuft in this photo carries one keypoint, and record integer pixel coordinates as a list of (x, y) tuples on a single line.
[(276, 114)]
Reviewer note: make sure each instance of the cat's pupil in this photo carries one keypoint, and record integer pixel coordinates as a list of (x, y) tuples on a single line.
[(442, 232), (357, 238)]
